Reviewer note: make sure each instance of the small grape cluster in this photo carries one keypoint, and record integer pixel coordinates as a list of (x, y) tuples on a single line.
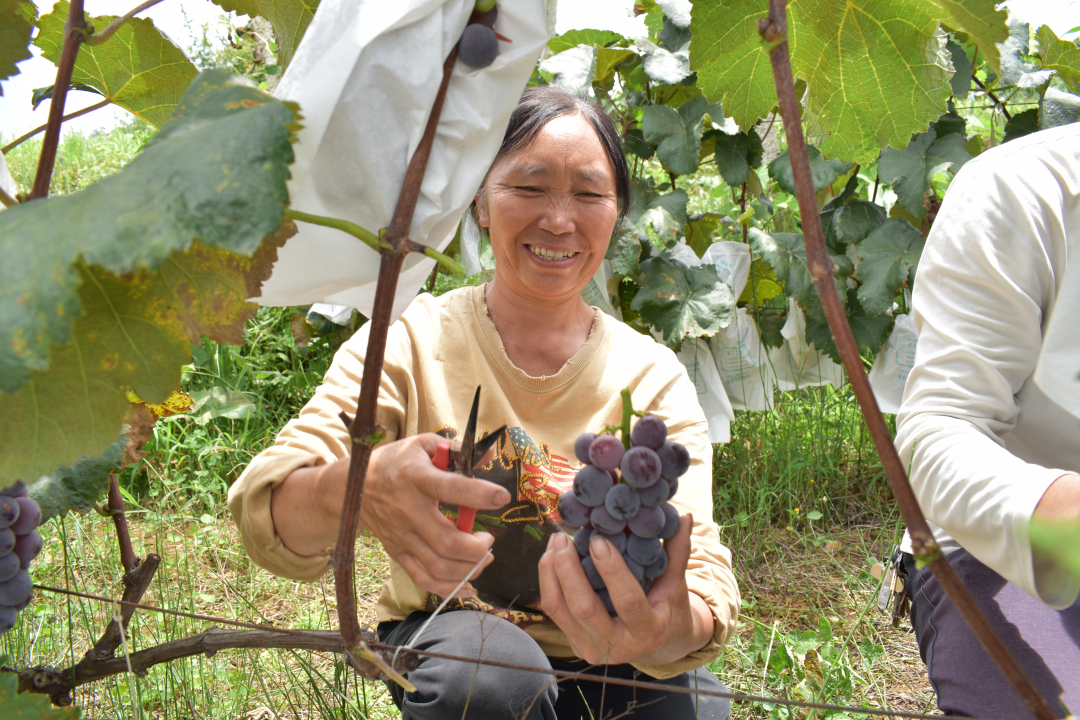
[(632, 511), (479, 44), (19, 544)]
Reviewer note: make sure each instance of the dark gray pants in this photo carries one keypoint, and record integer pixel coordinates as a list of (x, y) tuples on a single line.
[(1045, 642), (448, 689)]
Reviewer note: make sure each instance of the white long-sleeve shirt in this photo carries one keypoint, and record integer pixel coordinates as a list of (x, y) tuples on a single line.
[(983, 441)]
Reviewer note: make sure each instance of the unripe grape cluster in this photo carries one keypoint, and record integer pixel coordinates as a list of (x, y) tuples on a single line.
[(479, 44), (19, 544), (622, 495)]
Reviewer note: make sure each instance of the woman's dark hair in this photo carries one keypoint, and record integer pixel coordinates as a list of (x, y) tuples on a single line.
[(540, 105)]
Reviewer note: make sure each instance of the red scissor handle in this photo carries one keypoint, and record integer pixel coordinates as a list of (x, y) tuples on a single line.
[(466, 515)]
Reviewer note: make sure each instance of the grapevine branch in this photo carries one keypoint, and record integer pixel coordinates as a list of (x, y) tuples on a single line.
[(74, 32), (116, 510), (45, 680), (363, 426), (70, 116), (773, 30)]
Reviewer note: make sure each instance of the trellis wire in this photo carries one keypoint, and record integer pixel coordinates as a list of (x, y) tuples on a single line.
[(562, 674)]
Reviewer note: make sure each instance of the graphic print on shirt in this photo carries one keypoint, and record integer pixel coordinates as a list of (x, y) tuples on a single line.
[(535, 478)]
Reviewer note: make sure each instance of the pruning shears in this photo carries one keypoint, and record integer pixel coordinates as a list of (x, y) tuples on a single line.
[(463, 460)]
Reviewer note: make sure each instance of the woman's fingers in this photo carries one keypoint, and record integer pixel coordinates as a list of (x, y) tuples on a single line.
[(678, 550), (426, 581)]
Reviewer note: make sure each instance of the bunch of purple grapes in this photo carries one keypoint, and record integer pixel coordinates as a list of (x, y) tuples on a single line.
[(19, 544), (479, 44), (622, 495)]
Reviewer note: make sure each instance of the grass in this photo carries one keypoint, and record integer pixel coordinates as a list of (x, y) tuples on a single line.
[(799, 496)]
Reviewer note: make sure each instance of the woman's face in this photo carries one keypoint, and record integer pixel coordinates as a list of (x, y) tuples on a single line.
[(550, 211)]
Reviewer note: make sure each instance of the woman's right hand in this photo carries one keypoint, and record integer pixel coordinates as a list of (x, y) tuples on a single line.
[(401, 508)]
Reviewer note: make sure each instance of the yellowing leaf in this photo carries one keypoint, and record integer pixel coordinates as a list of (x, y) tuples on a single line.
[(178, 402), (138, 68)]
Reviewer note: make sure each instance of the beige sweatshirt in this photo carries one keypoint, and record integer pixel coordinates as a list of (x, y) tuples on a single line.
[(436, 355)]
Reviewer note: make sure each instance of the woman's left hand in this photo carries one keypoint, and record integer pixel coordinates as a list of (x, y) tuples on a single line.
[(664, 626)]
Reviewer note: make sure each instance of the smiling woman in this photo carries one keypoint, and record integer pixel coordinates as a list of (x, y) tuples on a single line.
[(551, 368)]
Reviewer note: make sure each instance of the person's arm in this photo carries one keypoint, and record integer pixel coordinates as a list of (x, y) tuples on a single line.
[(982, 289)]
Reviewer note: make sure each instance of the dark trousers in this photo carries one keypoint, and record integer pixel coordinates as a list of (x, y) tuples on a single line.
[(453, 690), (1045, 642)]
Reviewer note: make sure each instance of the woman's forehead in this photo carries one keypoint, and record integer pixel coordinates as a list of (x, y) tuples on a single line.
[(567, 140)]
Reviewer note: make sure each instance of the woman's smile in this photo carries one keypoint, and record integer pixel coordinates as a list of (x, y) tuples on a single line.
[(552, 257)]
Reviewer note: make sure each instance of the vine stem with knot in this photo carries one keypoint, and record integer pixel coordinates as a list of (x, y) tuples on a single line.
[(773, 31)]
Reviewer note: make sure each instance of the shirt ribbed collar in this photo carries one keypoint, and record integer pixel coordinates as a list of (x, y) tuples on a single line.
[(493, 348)]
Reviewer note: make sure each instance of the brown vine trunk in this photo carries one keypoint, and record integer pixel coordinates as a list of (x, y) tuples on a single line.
[(774, 31)]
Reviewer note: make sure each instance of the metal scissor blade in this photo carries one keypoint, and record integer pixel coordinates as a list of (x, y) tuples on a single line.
[(468, 441), (485, 444)]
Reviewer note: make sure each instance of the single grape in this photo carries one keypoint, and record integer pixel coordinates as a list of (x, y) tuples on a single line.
[(675, 460), (9, 565), (618, 540), (650, 431), (24, 604), (592, 573), (673, 487), (644, 550), (7, 541), (646, 584), (606, 452), (654, 494), (605, 597), (671, 521), (7, 618), (604, 522), (16, 589), (19, 489), (591, 485), (572, 511), (29, 516), (581, 447), (27, 547), (640, 467), (622, 501), (657, 568), (485, 18), (634, 566), (647, 523), (478, 47), (581, 541), (9, 511)]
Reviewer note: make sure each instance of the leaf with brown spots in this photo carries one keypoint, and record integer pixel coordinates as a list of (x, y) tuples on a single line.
[(133, 337)]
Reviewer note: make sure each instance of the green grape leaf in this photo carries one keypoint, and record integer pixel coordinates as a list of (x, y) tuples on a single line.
[(79, 486), (288, 18), (623, 253), (607, 59), (672, 37), (1058, 108), (677, 133), (981, 20), (662, 65), (138, 68), (16, 28), (736, 155), (135, 334), (1022, 124), (573, 38), (770, 322), (960, 82), (30, 706), (824, 172), (887, 256), (786, 253), (911, 171), (876, 73), (762, 284), (683, 302), (847, 219), (1015, 70), (216, 171), (701, 231), (635, 142), (870, 331), (674, 202), (1060, 55), (42, 94)]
